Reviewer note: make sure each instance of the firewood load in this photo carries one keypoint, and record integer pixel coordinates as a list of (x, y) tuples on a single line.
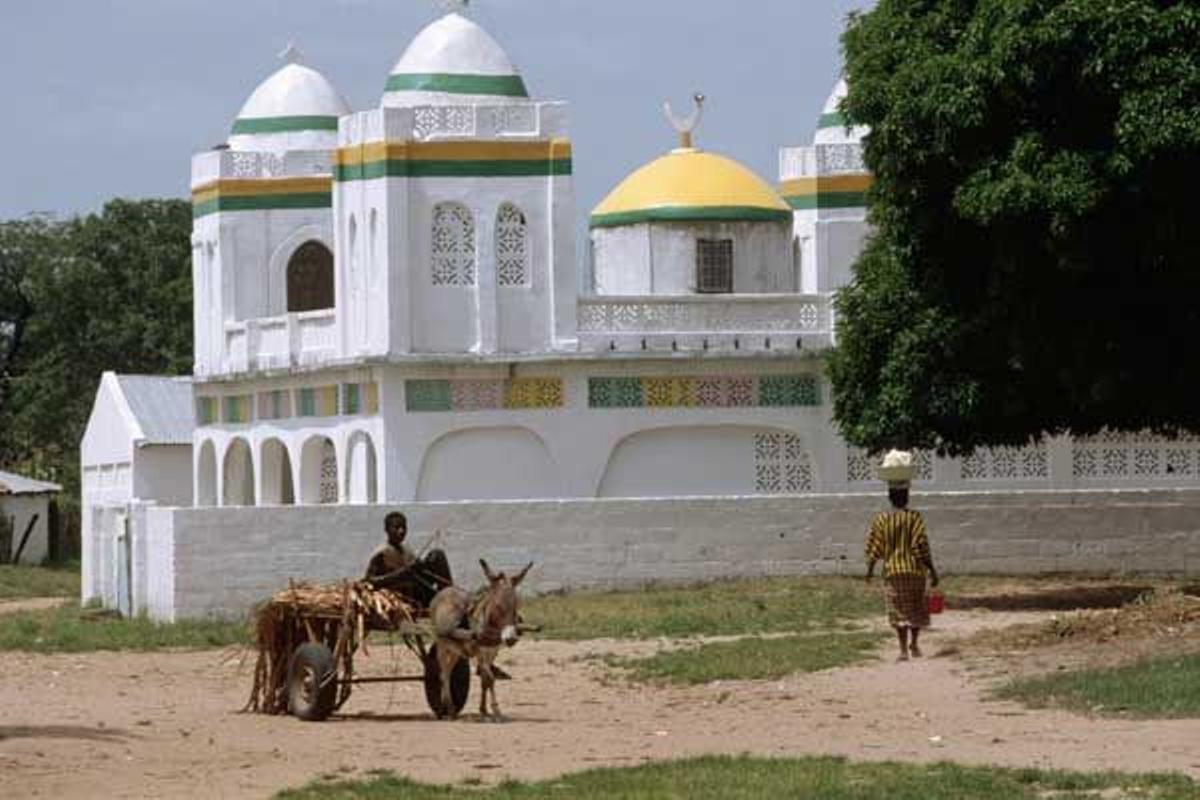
[(338, 616)]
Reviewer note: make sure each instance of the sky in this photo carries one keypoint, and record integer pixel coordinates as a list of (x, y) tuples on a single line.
[(111, 98)]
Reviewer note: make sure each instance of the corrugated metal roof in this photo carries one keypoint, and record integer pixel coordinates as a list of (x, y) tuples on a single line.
[(11, 483), (161, 405)]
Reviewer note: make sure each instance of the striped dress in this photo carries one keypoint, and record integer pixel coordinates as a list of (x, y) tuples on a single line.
[(898, 539)]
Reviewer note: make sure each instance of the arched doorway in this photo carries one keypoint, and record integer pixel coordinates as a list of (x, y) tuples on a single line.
[(238, 475), (278, 488), (310, 278), (206, 475), (361, 470), (318, 472)]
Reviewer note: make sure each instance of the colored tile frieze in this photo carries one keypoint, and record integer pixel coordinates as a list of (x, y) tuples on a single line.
[(262, 195), (236, 409), (483, 395), (706, 392), (453, 160), (206, 410)]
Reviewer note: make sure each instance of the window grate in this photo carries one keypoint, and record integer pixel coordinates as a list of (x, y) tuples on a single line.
[(714, 266)]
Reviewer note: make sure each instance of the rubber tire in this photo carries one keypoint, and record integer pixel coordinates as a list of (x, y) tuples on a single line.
[(316, 659), (460, 684)]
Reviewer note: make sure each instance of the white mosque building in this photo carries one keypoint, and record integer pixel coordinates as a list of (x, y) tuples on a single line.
[(389, 314)]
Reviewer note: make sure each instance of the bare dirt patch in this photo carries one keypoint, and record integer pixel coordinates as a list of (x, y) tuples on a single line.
[(166, 725), (31, 604)]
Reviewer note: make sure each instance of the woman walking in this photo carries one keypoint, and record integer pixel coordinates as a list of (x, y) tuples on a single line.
[(898, 539)]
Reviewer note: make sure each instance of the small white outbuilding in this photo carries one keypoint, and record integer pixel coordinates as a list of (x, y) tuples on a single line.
[(25, 507), (136, 452)]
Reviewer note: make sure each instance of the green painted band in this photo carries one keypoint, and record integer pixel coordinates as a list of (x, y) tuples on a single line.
[(498, 85), (808, 202), (835, 119), (264, 202), (453, 169), (692, 214), (284, 125)]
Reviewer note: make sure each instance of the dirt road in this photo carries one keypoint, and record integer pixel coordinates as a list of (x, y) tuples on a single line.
[(166, 725)]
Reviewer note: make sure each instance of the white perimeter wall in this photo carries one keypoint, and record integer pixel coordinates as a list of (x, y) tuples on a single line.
[(204, 562)]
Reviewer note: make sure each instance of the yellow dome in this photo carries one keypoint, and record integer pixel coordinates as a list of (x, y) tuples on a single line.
[(691, 186)]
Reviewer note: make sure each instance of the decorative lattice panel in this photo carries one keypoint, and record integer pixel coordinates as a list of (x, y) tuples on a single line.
[(484, 395), (453, 246), (512, 247), (329, 474), (704, 392), (1114, 455), (1007, 464), (781, 464)]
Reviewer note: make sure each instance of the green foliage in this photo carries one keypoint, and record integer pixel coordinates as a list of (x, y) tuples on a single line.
[(751, 658), (1034, 266), (109, 291), (70, 629), (1160, 688), (20, 582), (725, 608), (747, 778)]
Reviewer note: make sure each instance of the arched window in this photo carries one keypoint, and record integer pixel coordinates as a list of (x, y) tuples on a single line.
[(453, 245), (310, 278), (511, 247)]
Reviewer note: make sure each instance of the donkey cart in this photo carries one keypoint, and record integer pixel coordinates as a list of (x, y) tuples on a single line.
[(308, 636)]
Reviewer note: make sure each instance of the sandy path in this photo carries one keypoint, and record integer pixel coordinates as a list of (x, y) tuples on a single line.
[(164, 725), (31, 604)]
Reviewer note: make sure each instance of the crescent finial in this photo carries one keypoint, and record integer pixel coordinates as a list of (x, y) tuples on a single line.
[(685, 126)]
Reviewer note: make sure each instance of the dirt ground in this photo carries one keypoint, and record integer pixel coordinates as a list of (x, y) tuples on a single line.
[(167, 725)]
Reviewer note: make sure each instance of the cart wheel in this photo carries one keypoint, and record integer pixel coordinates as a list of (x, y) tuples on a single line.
[(460, 684), (312, 689)]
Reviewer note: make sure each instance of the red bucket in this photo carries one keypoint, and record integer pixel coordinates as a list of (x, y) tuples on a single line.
[(937, 602)]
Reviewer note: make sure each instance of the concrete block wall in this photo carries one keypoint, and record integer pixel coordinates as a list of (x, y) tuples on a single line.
[(223, 561)]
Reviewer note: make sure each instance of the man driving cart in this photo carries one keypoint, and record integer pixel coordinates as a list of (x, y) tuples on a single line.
[(396, 567)]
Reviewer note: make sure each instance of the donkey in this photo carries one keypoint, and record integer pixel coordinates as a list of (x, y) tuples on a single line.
[(474, 626)]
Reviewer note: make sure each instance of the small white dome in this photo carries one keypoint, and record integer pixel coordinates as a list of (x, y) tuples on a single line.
[(831, 128), (454, 61), (297, 108)]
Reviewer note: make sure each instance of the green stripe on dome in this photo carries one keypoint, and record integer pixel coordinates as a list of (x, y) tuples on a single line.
[(496, 85), (835, 119), (692, 214), (284, 125)]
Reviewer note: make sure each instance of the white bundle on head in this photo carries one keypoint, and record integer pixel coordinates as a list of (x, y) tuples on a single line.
[(897, 469)]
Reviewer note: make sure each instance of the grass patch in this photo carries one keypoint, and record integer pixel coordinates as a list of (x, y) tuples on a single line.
[(70, 629), (750, 659), (730, 608), (18, 582), (745, 778), (1161, 688)]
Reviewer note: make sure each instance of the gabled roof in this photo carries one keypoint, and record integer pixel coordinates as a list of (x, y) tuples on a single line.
[(11, 483), (161, 407)]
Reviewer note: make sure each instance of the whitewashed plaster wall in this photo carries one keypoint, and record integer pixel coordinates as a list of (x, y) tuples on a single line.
[(239, 270), (20, 510), (224, 561), (660, 258), (163, 474), (829, 241)]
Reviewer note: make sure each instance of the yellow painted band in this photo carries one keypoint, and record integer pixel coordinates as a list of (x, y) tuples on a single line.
[(452, 151), (256, 188), (832, 183)]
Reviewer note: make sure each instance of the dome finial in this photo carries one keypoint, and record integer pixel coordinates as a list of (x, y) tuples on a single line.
[(454, 6), (291, 54), (686, 125)]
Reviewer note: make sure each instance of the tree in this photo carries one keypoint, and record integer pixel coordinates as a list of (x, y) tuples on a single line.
[(1035, 265), (110, 291), (26, 248)]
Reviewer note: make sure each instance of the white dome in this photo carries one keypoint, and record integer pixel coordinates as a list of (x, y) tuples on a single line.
[(831, 128), (297, 108), (454, 61)]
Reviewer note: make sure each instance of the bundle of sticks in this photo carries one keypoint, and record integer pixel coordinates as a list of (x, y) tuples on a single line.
[(337, 615)]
